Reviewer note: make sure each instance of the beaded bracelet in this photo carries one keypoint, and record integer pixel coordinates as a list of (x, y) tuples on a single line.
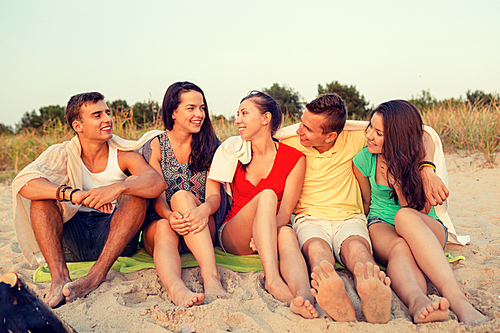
[(71, 195), (424, 164), (63, 191), (59, 191)]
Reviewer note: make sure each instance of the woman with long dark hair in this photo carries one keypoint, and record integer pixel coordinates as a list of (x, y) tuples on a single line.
[(405, 232), (183, 154), (265, 192)]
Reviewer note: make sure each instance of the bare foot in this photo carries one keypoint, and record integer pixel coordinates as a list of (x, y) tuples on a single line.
[(213, 287), (373, 289), (185, 297), (303, 308), (55, 296), (466, 313), (330, 293), (425, 310), (279, 290), (81, 287)]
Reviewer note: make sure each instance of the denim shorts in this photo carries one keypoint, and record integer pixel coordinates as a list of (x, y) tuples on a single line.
[(85, 234), (376, 219)]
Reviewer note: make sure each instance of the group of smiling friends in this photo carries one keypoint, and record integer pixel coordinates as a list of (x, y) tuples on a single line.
[(303, 197)]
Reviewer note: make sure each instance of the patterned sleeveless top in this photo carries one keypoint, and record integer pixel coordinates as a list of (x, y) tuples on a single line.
[(177, 175)]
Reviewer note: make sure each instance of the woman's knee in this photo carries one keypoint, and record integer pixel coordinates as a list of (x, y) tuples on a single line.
[(406, 219), (286, 234), (267, 196), (181, 197), (399, 247)]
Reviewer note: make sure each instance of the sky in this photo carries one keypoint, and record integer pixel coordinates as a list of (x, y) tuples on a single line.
[(131, 50)]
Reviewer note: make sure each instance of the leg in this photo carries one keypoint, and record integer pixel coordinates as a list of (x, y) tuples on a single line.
[(371, 283), (201, 245), (406, 278), (125, 223), (257, 220), (47, 223), (294, 271), (426, 237), (162, 242), (327, 286)]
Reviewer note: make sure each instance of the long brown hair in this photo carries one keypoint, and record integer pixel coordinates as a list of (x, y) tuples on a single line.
[(403, 149), (205, 142)]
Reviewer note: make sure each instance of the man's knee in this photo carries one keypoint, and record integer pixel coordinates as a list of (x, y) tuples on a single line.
[(132, 201), (355, 247), (44, 205), (44, 209), (316, 246)]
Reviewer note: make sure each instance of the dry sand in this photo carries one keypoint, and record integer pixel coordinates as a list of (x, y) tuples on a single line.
[(137, 302)]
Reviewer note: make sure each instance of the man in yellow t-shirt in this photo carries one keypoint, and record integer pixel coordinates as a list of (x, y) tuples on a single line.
[(329, 222)]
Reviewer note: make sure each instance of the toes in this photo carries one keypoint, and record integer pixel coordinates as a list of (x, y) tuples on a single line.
[(387, 281), (371, 270), (327, 268), (359, 270), (298, 301), (444, 304), (314, 292), (315, 276)]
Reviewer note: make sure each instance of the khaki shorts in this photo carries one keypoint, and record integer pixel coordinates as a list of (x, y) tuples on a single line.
[(332, 232)]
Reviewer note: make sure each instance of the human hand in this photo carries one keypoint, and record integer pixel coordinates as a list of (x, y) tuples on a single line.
[(435, 190), (198, 217), (99, 196), (178, 223), (107, 208), (78, 196)]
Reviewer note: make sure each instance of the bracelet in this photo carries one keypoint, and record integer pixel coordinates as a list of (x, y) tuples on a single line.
[(59, 191), (71, 195), (63, 191), (425, 164)]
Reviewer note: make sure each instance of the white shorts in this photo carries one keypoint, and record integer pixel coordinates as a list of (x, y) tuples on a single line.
[(332, 232)]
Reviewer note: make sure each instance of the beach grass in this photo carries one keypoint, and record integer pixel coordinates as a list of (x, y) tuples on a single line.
[(462, 127), (466, 128)]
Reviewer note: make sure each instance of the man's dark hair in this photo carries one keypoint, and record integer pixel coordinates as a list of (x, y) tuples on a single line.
[(76, 102), (334, 110)]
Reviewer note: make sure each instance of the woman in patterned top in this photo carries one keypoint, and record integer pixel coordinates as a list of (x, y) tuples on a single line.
[(265, 192), (406, 235), (182, 154)]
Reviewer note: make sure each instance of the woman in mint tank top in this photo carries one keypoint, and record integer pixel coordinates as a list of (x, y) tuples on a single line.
[(187, 209), (406, 235)]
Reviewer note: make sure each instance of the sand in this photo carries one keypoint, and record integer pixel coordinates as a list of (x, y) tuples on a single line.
[(137, 302)]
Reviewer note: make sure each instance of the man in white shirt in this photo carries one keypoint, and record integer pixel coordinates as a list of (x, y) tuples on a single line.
[(115, 185)]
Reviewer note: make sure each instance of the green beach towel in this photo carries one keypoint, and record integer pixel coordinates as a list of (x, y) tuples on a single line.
[(142, 260)]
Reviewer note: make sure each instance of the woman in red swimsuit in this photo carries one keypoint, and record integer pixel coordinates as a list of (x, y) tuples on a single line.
[(265, 192)]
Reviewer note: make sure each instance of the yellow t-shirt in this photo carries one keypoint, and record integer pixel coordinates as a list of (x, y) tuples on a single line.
[(331, 191)]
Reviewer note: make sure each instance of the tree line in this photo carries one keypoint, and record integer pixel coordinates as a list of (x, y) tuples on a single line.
[(291, 102)]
